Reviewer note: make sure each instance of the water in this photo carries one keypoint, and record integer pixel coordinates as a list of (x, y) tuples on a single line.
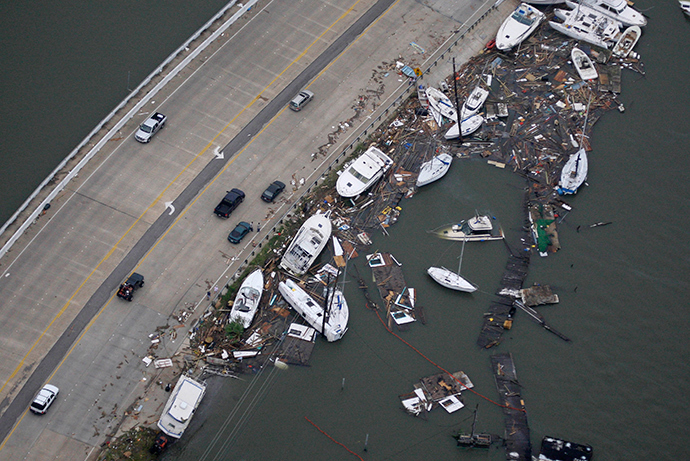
[(620, 385)]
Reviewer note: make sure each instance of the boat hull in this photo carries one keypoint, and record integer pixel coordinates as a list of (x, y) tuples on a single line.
[(441, 104), (363, 173), (434, 169), (248, 298), (469, 126), (518, 26), (627, 42), (474, 102), (180, 407), (450, 279), (583, 64), (307, 245), (574, 173)]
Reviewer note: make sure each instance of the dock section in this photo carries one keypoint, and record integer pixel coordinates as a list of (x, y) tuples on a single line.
[(517, 442)]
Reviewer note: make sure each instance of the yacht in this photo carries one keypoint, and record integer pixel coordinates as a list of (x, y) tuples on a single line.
[(181, 405), (363, 172), (307, 244), (518, 26), (614, 9)]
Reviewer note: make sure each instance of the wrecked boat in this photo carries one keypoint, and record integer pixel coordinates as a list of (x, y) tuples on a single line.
[(574, 173), (518, 26), (474, 102), (469, 126), (449, 279), (434, 169), (477, 229), (363, 173), (180, 407), (247, 300), (440, 103), (614, 9), (307, 244), (583, 64), (627, 41), (587, 25)]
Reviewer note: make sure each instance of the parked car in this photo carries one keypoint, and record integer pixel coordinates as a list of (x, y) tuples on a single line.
[(240, 230), (43, 399), (150, 127), (231, 200), (272, 191), (301, 100)]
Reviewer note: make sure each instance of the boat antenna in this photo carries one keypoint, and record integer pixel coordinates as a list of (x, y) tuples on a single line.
[(457, 104)]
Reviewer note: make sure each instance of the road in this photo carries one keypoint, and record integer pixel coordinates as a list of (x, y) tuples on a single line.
[(113, 218)]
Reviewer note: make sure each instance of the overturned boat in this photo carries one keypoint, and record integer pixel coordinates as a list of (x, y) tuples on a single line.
[(331, 322), (449, 279), (361, 174), (583, 64), (434, 169), (518, 26), (477, 229), (310, 240), (247, 300), (180, 407)]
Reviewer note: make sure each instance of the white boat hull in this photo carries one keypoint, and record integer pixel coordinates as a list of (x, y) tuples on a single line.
[(441, 104), (450, 279), (180, 407), (307, 245), (361, 174), (685, 6), (627, 41), (574, 173), (463, 232), (583, 64), (617, 10), (469, 126), (248, 298), (434, 169), (474, 102), (518, 26)]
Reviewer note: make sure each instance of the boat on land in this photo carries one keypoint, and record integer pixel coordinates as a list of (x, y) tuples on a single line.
[(440, 103), (434, 169), (480, 228), (587, 25), (310, 240), (449, 279), (474, 102), (247, 300), (627, 41), (614, 9), (180, 407), (469, 126), (361, 174), (685, 6), (518, 26), (331, 322), (574, 173), (583, 64)]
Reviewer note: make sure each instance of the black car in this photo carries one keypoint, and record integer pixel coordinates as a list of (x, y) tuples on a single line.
[(272, 191), (240, 230), (127, 289), (229, 203)]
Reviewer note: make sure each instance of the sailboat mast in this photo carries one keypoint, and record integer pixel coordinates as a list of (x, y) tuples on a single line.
[(462, 252), (457, 103)]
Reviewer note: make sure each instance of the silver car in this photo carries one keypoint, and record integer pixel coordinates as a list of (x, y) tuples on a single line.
[(43, 399), (301, 100)]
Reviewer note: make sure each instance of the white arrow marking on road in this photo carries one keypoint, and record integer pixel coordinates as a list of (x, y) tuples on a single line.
[(170, 205), (219, 154)]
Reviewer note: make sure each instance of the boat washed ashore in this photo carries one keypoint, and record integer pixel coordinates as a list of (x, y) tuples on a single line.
[(181, 405), (474, 102), (434, 169), (477, 229), (440, 105), (583, 64), (469, 126), (363, 172), (248, 298), (307, 244), (331, 322), (518, 26), (574, 173), (449, 279)]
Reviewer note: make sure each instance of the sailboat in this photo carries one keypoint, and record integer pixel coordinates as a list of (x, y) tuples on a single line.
[(449, 279), (434, 169), (574, 171)]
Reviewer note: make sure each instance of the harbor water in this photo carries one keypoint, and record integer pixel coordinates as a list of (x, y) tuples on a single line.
[(619, 385)]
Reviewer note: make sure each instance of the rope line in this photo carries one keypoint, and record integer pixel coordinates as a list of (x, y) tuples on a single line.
[(324, 433), (443, 369)]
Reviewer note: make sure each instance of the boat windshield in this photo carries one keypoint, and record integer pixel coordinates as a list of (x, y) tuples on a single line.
[(523, 17), (358, 175)]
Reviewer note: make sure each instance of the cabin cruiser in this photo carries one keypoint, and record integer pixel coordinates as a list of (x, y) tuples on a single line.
[(614, 9), (480, 228), (180, 407), (518, 26), (310, 240), (363, 172), (247, 300), (587, 25)]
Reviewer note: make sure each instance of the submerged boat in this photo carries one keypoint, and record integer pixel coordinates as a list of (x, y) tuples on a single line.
[(181, 405), (574, 173), (474, 102), (247, 300), (331, 322), (449, 279), (477, 229), (614, 9), (363, 172), (685, 6), (434, 169), (583, 64), (469, 126), (518, 26), (307, 244), (627, 41), (587, 25), (441, 104)]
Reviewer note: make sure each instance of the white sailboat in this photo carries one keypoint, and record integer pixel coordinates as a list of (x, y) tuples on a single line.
[(574, 172), (247, 300), (434, 169), (363, 172), (518, 26), (180, 407), (310, 240), (627, 41), (583, 64), (332, 322), (469, 126), (441, 104), (449, 279), (614, 9), (685, 6), (474, 102)]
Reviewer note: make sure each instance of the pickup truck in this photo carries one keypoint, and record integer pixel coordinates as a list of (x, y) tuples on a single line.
[(150, 127), (128, 288), (231, 200)]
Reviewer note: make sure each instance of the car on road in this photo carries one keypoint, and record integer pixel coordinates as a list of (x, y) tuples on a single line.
[(150, 127), (240, 230), (301, 100), (272, 191), (127, 289), (43, 399), (231, 200)]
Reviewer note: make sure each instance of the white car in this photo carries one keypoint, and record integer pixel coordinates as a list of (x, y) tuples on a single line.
[(150, 127), (43, 399)]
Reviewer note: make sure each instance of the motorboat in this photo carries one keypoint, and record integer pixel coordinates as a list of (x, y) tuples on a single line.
[(480, 228), (574, 173), (627, 41), (434, 169), (583, 64), (310, 240), (440, 103), (587, 25), (363, 172), (469, 126), (544, 2), (614, 9), (331, 322), (518, 26), (247, 300), (474, 102), (449, 279), (685, 6), (180, 407)]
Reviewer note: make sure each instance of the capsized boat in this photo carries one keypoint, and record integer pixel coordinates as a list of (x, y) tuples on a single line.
[(587, 25), (247, 300), (480, 228), (627, 41), (434, 169), (583, 64), (469, 126), (334, 326), (180, 407), (614, 9), (474, 102), (311, 238), (574, 173), (685, 6), (518, 26), (363, 172), (450, 279), (441, 104)]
